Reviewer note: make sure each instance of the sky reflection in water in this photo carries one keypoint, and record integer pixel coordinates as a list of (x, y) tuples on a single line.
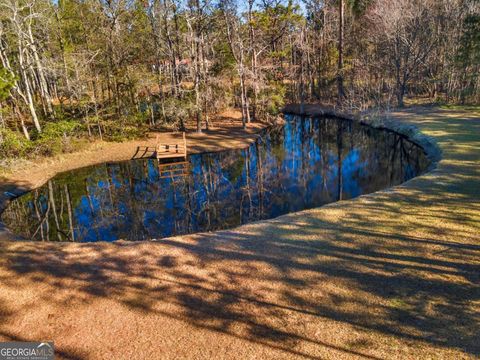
[(304, 164)]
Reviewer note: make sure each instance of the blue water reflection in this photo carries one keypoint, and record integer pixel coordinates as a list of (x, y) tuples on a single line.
[(303, 164)]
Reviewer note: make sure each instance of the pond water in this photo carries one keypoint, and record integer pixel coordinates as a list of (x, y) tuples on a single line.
[(304, 164)]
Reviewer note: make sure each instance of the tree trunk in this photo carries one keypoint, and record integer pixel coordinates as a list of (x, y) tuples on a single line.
[(341, 91), (400, 94), (26, 84), (41, 74), (253, 52)]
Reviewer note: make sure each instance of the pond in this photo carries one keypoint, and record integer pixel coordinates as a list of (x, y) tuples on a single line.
[(306, 163)]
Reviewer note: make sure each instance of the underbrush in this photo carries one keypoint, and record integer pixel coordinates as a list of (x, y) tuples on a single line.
[(56, 138), (65, 136)]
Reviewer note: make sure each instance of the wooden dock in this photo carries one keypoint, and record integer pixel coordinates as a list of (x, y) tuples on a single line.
[(170, 149), (176, 148)]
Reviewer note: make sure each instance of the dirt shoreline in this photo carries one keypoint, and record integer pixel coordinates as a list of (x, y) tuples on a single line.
[(231, 136), (36, 173), (393, 274)]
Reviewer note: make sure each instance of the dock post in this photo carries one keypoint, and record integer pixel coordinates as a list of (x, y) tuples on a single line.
[(185, 145)]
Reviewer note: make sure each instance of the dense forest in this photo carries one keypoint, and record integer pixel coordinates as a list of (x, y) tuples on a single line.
[(112, 69)]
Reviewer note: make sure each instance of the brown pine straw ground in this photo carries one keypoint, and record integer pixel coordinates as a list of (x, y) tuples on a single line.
[(391, 275)]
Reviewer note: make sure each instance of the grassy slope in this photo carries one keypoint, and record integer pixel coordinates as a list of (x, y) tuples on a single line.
[(391, 275)]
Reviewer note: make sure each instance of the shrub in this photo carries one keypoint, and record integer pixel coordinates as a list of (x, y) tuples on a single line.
[(55, 138), (271, 100), (176, 111), (13, 144)]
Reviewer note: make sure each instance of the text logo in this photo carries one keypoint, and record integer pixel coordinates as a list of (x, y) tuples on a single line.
[(26, 350)]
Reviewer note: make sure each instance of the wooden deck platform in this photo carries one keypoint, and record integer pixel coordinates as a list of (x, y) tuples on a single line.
[(177, 148), (166, 146)]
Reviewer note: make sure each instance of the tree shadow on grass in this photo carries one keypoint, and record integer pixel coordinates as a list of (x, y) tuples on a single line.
[(368, 265), (251, 285)]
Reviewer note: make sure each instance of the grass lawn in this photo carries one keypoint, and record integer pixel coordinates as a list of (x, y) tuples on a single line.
[(391, 275)]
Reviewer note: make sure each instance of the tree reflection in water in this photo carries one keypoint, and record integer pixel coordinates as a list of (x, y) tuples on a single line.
[(303, 164)]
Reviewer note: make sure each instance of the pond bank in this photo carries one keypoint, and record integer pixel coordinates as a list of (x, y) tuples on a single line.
[(290, 169), (380, 121), (34, 174), (393, 274)]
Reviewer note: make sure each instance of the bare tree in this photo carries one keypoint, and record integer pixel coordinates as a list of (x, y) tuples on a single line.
[(405, 32), (238, 48), (341, 20)]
